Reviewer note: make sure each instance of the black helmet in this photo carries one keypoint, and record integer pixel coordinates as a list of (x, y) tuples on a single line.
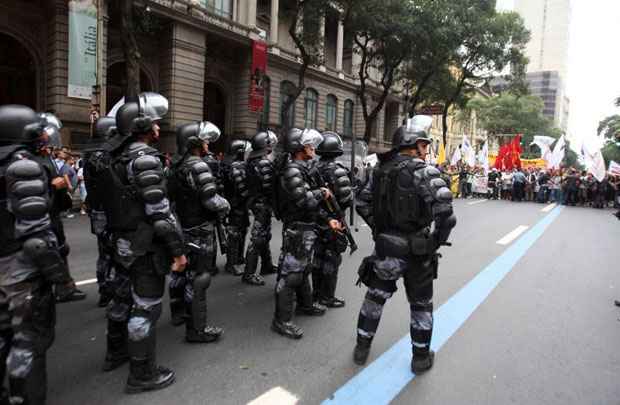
[(193, 135), (296, 139), (138, 117), (19, 124), (238, 147), (415, 131), (331, 146), (263, 143), (104, 128)]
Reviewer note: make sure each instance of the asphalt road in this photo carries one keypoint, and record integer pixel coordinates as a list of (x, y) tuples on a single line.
[(545, 335)]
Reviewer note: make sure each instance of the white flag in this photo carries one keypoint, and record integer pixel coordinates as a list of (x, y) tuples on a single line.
[(558, 154), (468, 152), (593, 157), (614, 168), (456, 157), (483, 157), (544, 144)]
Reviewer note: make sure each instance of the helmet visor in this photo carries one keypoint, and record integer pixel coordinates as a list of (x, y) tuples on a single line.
[(153, 104), (311, 137), (208, 132), (50, 119), (273, 138)]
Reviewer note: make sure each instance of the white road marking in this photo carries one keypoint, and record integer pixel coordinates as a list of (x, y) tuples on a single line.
[(476, 202), (512, 235), (276, 395), (549, 207), (89, 281)]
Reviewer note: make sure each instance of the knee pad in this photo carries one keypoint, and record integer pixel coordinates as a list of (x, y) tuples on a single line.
[(118, 311), (375, 283), (142, 321), (202, 281), (294, 280)]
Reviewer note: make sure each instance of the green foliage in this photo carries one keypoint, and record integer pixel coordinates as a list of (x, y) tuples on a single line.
[(510, 114), (610, 126), (611, 151)]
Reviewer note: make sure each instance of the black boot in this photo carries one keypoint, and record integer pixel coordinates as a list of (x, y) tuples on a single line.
[(314, 310), (196, 328), (362, 350), (116, 353), (177, 311), (266, 264), (68, 293), (144, 374), (422, 360), (288, 329), (249, 275), (328, 288)]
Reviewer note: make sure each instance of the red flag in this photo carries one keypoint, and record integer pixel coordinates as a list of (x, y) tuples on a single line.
[(504, 150), (515, 147), (257, 80)]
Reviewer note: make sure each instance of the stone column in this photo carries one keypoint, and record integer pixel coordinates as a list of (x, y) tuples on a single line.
[(340, 45), (251, 13), (182, 77), (274, 23)]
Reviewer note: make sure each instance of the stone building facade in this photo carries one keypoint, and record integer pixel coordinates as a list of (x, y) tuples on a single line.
[(198, 53)]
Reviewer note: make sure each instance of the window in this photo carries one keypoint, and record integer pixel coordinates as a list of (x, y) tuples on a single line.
[(264, 118), (223, 8), (331, 112), (310, 108), (348, 118), (287, 90)]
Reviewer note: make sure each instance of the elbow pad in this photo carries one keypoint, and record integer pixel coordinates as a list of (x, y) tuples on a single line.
[(43, 251)]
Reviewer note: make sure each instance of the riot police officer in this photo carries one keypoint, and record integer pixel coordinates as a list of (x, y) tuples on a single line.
[(96, 159), (299, 200), (217, 171), (260, 178), (404, 197), (29, 259), (146, 237), (236, 189), (61, 200), (198, 206), (331, 245)]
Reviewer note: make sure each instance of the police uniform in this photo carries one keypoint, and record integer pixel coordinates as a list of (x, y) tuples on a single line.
[(199, 207), (30, 262), (260, 180), (404, 197), (330, 244)]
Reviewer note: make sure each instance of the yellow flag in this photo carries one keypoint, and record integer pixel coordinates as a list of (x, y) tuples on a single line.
[(442, 154)]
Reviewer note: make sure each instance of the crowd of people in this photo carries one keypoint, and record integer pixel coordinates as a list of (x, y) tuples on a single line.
[(566, 186)]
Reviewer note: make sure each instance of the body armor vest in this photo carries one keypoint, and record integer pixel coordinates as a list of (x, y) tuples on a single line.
[(188, 205), (336, 176), (96, 164), (398, 205), (124, 208)]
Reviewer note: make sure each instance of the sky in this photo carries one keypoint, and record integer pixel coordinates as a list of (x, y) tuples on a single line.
[(594, 63)]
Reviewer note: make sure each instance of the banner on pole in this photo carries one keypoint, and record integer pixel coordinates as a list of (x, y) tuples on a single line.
[(614, 168), (259, 70), (82, 48)]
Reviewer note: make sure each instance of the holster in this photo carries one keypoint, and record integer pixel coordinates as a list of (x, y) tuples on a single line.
[(392, 245), (422, 243), (365, 271)]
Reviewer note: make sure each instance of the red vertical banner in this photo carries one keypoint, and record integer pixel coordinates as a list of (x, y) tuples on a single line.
[(258, 72)]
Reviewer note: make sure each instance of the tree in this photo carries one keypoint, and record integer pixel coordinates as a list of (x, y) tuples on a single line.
[(610, 126), (491, 41), (611, 151), (130, 47), (304, 28), (383, 33)]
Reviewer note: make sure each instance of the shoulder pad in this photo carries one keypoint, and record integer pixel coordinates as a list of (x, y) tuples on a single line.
[(341, 172), (24, 169), (431, 172), (291, 172), (198, 166), (146, 162), (417, 164)]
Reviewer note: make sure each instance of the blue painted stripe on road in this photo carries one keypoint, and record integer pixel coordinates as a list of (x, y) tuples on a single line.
[(382, 380)]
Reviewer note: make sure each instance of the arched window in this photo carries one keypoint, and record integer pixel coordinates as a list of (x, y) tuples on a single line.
[(331, 112), (348, 118), (287, 90), (310, 106), (264, 118)]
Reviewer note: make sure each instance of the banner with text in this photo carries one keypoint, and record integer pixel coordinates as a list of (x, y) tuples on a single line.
[(82, 48), (257, 82)]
